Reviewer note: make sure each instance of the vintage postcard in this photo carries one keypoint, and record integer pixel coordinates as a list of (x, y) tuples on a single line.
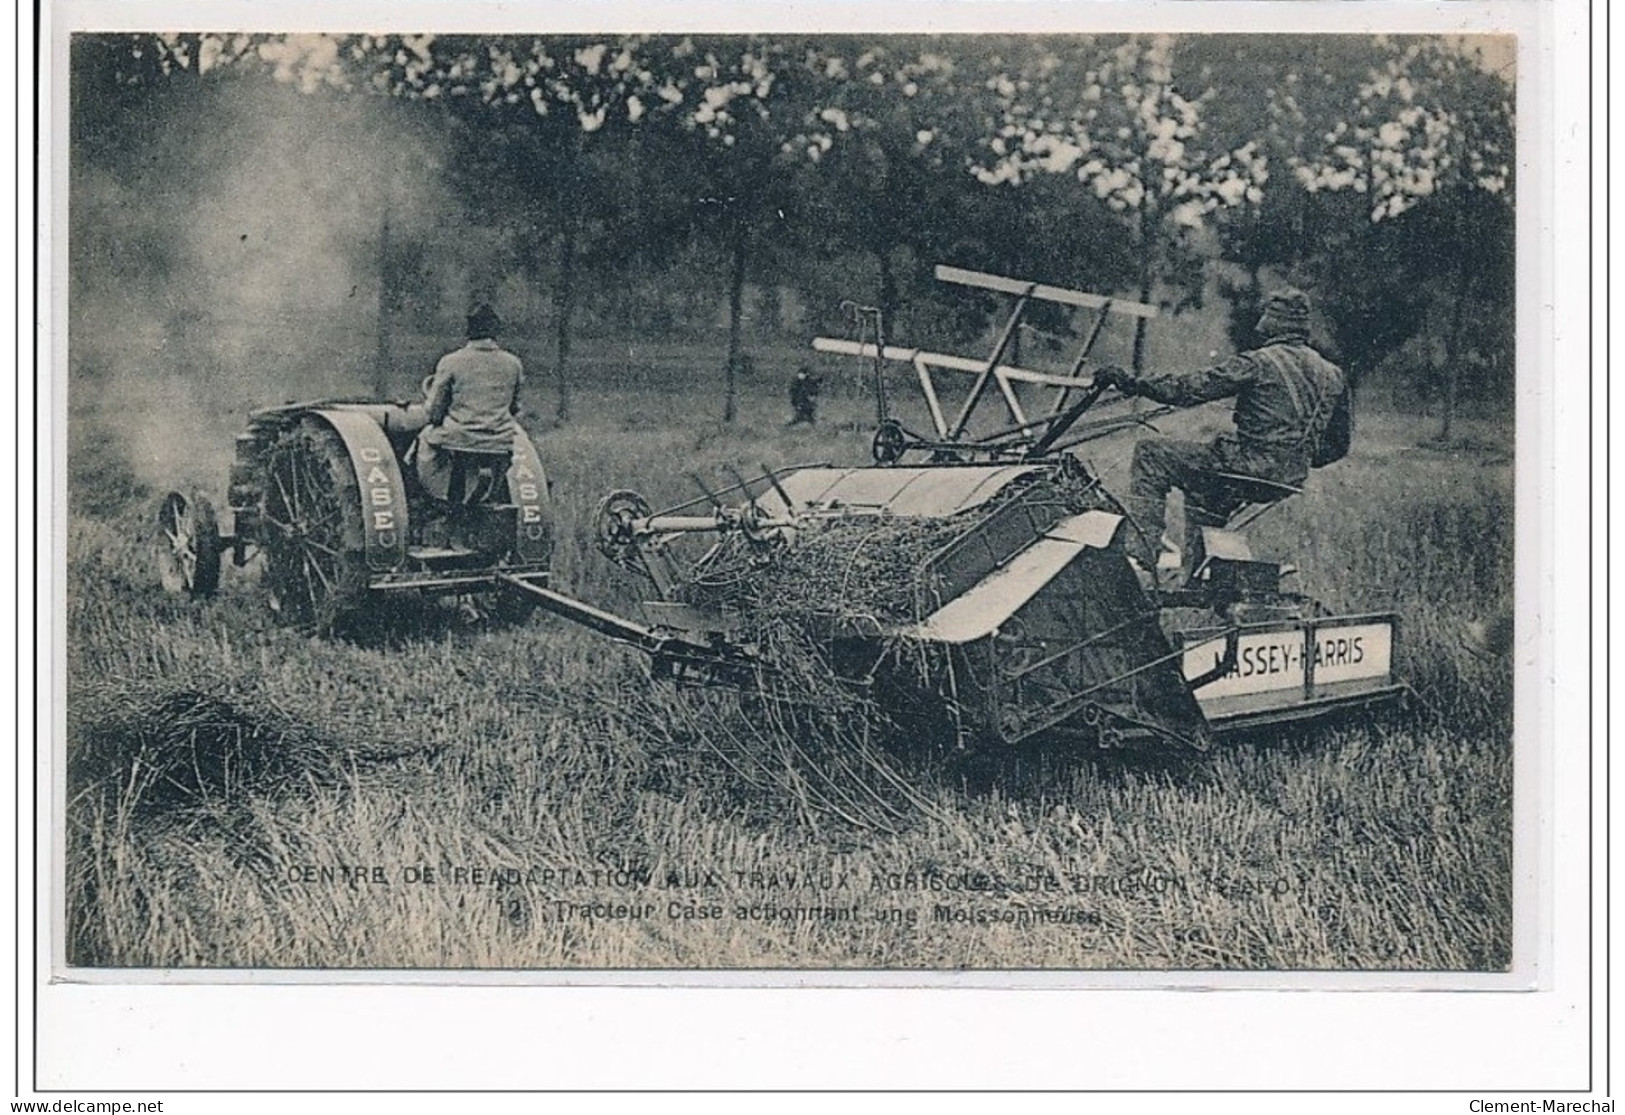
[(727, 505), (1027, 501)]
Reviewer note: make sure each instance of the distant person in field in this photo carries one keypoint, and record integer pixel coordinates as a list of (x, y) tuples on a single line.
[(472, 399), (1292, 412), (804, 387)]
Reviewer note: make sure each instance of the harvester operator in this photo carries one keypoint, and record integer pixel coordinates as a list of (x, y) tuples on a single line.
[(1292, 411), (472, 399)]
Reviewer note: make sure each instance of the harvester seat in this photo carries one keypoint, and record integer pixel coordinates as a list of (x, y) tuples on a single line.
[(1257, 495), (1213, 542)]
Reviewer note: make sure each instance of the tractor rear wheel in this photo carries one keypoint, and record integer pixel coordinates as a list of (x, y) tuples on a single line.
[(186, 545), (315, 551)]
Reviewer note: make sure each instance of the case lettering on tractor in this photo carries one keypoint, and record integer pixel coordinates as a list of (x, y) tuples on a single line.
[(527, 489), (383, 490)]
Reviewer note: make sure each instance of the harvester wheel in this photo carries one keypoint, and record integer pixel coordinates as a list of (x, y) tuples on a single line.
[(315, 557), (616, 538), (889, 442), (186, 545)]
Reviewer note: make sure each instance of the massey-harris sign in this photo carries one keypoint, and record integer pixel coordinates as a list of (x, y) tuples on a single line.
[(1303, 658)]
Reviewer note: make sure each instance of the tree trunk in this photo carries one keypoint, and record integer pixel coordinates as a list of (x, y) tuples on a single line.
[(1146, 283), (564, 306), (736, 314), (888, 285), (1139, 327), (383, 368), (1452, 348)]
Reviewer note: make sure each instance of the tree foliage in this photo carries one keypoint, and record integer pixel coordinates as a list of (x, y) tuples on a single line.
[(1113, 115), (1375, 172)]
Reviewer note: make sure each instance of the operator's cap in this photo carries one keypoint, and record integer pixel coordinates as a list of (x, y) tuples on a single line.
[(1284, 311), (483, 322)]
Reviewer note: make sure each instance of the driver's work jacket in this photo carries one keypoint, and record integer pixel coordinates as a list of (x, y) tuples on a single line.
[(473, 398), (1285, 394)]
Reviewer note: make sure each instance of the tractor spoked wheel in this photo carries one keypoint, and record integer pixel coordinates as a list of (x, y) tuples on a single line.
[(315, 560), (186, 545)]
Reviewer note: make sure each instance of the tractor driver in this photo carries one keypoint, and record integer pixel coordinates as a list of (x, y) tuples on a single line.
[(472, 399), (1291, 410)]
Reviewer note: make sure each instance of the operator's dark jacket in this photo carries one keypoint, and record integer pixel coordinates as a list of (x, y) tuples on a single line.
[(1287, 396)]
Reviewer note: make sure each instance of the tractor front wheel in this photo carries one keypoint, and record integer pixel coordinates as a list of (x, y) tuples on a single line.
[(186, 545), (315, 552)]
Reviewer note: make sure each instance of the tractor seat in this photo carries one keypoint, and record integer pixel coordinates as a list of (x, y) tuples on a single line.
[(477, 475)]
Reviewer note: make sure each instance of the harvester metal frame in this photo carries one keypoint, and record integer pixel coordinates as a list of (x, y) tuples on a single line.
[(1024, 437)]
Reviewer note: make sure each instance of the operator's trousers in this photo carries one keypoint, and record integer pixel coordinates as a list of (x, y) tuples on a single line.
[(1163, 464)]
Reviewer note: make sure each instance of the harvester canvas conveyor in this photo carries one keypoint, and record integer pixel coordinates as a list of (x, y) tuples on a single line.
[(1010, 609)]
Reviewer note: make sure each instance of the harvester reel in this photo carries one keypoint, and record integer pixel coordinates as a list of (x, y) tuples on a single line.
[(617, 539), (186, 545)]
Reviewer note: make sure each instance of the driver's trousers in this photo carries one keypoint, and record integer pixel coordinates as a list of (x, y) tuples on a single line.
[(1163, 464)]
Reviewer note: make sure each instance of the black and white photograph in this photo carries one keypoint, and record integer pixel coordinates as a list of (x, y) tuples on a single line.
[(559, 503)]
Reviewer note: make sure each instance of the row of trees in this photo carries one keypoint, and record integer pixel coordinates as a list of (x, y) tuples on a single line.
[(1377, 172)]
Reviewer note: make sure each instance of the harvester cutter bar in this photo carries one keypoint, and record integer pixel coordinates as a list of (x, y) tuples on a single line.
[(433, 581)]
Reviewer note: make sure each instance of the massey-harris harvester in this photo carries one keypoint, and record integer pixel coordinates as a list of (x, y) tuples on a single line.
[(971, 580)]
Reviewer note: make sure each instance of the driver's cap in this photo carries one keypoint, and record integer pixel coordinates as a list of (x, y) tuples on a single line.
[(483, 322)]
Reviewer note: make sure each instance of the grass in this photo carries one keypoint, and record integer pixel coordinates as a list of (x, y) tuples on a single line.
[(241, 795)]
